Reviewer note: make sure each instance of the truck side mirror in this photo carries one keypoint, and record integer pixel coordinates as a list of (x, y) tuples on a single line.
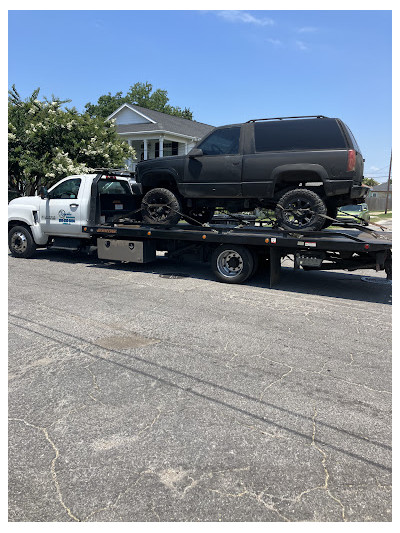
[(195, 152), (44, 193)]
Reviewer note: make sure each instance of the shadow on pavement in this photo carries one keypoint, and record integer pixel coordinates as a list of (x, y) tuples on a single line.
[(333, 284)]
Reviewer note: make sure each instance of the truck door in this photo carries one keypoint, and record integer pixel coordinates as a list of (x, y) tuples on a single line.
[(60, 214), (217, 173)]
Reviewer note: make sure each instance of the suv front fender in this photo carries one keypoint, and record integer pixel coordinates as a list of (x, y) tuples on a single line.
[(153, 177)]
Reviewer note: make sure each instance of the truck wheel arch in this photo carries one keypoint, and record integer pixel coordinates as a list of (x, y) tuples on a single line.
[(298, 173), (164, 179)]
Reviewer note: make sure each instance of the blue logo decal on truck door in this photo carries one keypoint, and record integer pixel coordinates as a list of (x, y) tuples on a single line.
[(65, 218)]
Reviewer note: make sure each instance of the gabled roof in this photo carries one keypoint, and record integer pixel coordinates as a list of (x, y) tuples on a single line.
[(161, 122), (382, 187)]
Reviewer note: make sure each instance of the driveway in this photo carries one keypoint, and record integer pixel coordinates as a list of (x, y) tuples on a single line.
[(155, 393)]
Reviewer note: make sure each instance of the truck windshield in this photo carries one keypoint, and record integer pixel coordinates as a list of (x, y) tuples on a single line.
[(113, 187)]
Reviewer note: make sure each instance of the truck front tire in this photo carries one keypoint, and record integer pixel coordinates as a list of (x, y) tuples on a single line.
[(20, 242), (161, 206)]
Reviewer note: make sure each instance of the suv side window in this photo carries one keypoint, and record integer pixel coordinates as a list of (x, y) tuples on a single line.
[(222, 142), (309, 134), (66, 189)]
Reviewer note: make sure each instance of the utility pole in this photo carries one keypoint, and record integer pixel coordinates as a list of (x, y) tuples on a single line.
[(388, 185)]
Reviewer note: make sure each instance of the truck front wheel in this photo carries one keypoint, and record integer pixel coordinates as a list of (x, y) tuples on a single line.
[(161, 206), (20, 242), (232, 263)]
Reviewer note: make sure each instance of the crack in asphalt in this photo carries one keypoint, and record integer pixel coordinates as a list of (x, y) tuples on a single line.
[(323, 462), (53, 471)]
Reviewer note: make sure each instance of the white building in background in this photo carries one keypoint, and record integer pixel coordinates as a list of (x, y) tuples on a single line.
[(154, 134)]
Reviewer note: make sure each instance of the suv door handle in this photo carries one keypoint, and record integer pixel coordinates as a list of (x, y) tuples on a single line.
[(74, 205), (236, 163)]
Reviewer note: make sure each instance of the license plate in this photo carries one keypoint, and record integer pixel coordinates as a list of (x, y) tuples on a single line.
[(119, 206)]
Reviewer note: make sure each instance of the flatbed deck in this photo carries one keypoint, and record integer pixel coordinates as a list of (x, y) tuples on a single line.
[(343, 240), (349, 249)]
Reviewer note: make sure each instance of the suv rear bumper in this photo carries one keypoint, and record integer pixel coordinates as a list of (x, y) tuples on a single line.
[(359, 192), (345, 188)]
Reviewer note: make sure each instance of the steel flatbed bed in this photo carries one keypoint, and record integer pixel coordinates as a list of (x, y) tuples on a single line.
[(350, 249)]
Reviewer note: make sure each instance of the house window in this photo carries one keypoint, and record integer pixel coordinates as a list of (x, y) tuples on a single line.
[(170, 148)]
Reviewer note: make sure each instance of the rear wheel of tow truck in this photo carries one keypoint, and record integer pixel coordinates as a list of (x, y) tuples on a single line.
[(388, 265), (161, 206), (301, 209), (232, 263), (20, 242)]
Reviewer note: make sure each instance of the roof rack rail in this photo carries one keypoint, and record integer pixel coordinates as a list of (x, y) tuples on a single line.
[(286, 118), (114, 172)]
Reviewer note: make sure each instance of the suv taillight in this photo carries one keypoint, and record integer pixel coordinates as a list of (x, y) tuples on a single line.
[(351, 160)]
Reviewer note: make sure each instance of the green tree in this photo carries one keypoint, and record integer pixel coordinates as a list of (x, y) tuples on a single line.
[(140, 94), (48, 141), (370, 182)]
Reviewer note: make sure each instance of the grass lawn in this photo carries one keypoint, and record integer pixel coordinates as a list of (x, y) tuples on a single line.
[(380, 215)]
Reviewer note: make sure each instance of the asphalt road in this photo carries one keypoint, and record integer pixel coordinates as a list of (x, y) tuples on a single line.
[(135, 397)]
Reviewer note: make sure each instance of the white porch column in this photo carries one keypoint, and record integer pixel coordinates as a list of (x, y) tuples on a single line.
[(186, 148), (161, 146), (145, 149)]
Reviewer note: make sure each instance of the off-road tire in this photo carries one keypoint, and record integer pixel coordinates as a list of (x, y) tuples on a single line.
[(300, 209), (153, 211), (232, 263), (20, 242)]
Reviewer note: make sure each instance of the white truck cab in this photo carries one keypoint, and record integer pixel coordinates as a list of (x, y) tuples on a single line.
[(63, 210)]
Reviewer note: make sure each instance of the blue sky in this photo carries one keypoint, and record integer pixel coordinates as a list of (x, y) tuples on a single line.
[(226, 66)]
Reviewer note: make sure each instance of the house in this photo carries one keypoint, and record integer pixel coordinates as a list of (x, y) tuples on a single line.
[(376, 197), (380, 191), (154, 134)]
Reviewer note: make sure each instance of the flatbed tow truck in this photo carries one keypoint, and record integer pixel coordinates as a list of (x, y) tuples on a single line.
[(235, 248)]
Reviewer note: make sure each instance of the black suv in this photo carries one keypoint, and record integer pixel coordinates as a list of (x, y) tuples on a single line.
[(303, 167)]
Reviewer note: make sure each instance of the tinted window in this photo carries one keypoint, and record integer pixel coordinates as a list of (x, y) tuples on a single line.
[(66, 189), (113, 187), (353, 140), (310, 134), (224, 141)]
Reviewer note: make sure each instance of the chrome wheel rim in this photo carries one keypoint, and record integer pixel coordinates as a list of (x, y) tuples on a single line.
[(230, 263), (19, 242)]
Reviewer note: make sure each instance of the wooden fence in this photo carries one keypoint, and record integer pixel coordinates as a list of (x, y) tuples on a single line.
[(378, 204)]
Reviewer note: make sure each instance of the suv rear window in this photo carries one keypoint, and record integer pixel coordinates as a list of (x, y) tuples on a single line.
[(309, 134), (113, 187)]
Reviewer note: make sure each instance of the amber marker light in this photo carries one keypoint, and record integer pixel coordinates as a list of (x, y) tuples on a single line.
[(266, 241), (149, 233), (204, 236)]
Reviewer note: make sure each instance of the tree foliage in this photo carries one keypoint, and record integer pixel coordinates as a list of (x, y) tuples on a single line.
[(370, 182), (48, 141), (140, 94)]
